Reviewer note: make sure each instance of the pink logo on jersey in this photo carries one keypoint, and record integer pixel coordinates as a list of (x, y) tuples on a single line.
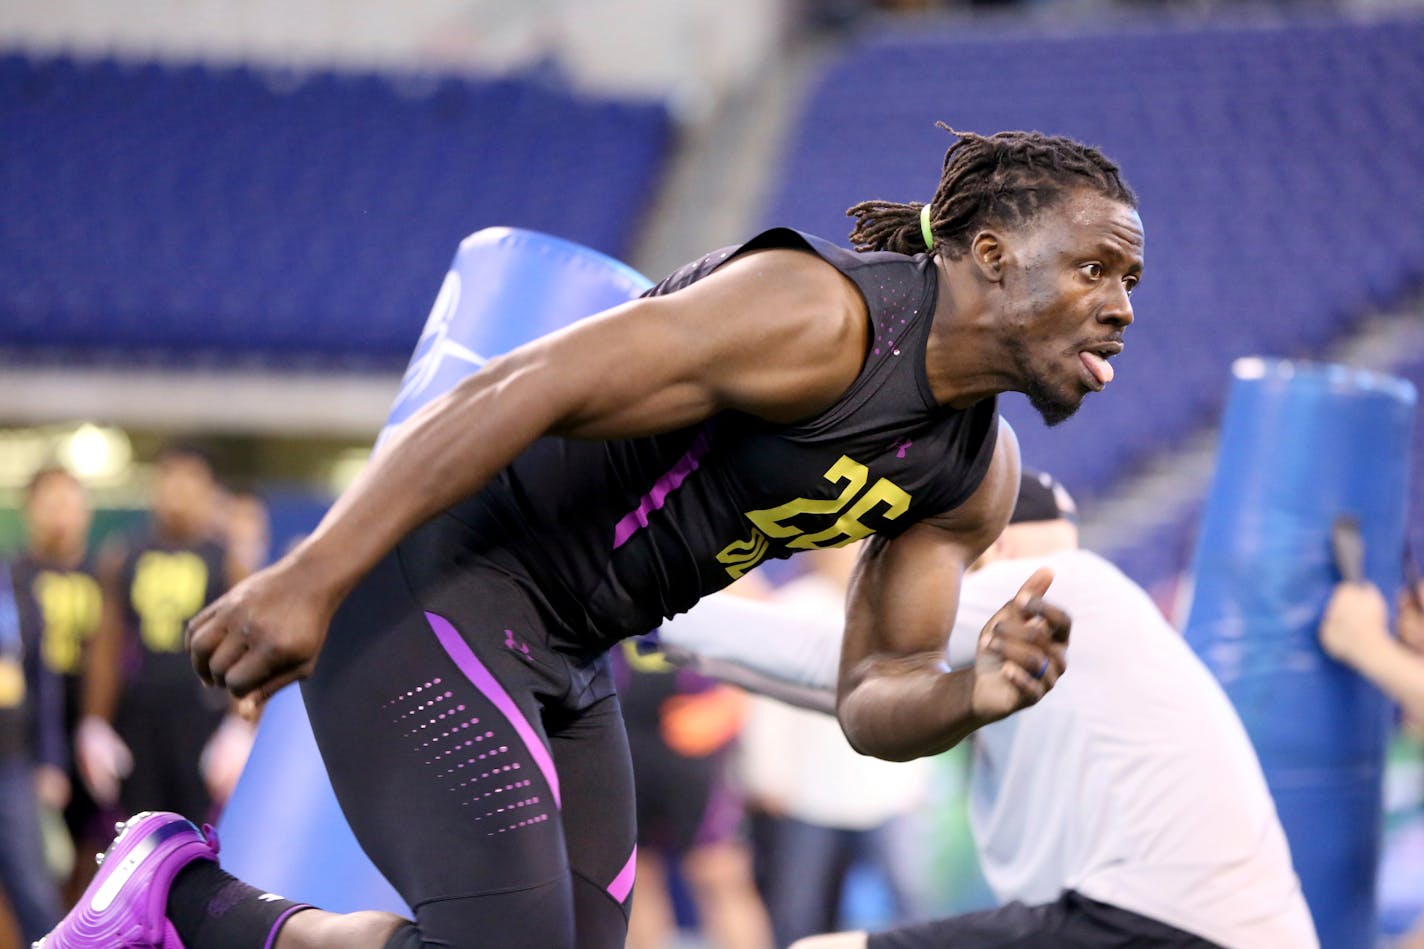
[(514, 644)]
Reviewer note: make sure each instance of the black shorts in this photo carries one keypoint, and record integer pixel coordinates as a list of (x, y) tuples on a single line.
[(1071, 922), (477, 752), (682, 802), (166, 723), (82, 814)]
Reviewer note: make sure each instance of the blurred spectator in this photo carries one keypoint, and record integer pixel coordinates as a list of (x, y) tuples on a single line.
[(60, 605), (681, 728), (148, 721), (820, 807), (1355, 631), (246, 527), (24, 877)]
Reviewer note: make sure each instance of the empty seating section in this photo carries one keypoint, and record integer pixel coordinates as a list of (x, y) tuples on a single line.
[(177, 211), (1277, 166)]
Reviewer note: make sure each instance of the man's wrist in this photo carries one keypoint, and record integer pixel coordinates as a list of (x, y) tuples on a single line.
[(323, 573), (979, 716), (971, 715)]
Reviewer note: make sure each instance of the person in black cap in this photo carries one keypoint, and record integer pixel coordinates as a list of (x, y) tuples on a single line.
[(1042, 499)]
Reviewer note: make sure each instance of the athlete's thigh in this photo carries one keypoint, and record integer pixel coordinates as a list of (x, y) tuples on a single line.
[(590, 749), (429, 723)]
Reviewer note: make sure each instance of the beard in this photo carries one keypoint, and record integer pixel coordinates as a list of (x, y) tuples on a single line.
[(1050, 402), (1050, 405)]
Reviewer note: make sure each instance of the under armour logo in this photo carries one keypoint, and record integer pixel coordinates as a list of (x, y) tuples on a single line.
[(516, 645), (902, 446)]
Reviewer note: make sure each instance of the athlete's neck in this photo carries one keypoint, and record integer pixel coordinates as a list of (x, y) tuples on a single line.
[(965, 358)]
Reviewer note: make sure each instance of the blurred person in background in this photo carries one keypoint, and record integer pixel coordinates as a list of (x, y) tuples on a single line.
[(682, 729), (819, 807), (60, 607), (1355, 630), (245, 527), (24, 875), (149, 726), (1126, 808)]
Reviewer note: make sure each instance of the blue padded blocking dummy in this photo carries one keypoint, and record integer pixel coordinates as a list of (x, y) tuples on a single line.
[(1303, 445), (506, 287), (283, 830)]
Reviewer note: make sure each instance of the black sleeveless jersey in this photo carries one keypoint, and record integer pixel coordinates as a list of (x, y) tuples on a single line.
[(162, 585), (620, 534), (59, 609)]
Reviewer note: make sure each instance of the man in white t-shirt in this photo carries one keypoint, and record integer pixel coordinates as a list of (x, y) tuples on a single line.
[(1126, 808)]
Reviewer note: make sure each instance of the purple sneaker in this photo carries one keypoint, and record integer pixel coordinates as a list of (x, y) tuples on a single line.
[(126, 904)]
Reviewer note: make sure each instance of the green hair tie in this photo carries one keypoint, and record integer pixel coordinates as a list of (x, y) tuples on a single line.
[(925, 227)]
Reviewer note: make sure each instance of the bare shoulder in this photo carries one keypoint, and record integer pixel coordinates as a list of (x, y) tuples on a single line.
[(785, 274), (778, 334), (786, 321)]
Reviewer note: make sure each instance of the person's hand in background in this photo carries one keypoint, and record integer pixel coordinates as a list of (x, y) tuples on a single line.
[(104, 759), (1355, 627), (1355, 631)]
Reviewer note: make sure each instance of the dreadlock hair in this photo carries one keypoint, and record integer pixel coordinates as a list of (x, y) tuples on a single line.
[(1004, 179)]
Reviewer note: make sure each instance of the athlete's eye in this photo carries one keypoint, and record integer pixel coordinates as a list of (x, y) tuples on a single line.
[(1093, 271), (1130, 283)]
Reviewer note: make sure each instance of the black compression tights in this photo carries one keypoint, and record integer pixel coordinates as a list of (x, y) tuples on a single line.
[(485, 772)]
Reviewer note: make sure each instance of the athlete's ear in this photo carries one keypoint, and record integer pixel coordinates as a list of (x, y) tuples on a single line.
[(988, 251)]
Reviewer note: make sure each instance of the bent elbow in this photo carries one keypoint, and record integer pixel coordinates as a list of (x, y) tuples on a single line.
[(868, 739)]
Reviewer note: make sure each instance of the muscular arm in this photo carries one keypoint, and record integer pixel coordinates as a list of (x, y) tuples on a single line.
[(898, 698), (778, 334), (756, 336)]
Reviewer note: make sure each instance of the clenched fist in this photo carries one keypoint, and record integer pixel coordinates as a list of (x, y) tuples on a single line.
[(263, 633)]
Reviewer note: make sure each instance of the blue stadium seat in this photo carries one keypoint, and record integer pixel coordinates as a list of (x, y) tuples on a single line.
[(1277, 166), (174, 212)]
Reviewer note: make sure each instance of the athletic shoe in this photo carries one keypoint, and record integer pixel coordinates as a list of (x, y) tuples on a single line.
[(125, 907)]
